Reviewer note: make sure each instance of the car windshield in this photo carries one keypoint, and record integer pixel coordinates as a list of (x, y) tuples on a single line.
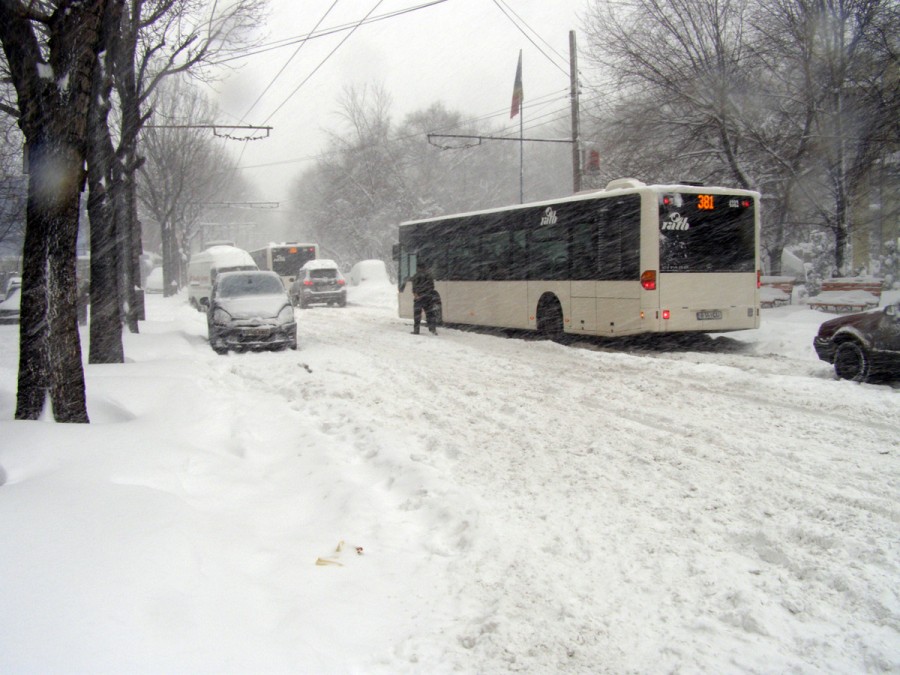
[(324, 273), (237, 285)]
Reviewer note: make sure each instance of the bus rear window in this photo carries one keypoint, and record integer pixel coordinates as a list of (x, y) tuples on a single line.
[(707, 233)]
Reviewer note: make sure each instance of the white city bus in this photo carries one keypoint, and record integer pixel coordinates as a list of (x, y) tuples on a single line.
[(285, 259), (630, 259)]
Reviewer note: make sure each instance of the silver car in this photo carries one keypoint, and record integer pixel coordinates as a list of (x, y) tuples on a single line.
[(250, 310), (319, 281), (9, 308)]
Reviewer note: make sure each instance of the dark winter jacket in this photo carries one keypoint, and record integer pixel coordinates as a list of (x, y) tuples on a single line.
[(422, 283)]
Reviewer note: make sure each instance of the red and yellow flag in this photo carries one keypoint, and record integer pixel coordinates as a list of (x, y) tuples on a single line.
[(518, 94)]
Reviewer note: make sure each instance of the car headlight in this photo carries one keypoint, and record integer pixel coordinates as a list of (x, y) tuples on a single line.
[(221, 317), (286, 315)]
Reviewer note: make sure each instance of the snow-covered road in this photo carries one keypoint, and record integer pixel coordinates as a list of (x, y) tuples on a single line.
[(614, 500), (720, 506)]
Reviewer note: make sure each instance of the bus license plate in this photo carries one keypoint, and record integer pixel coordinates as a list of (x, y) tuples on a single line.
[(709, 314)]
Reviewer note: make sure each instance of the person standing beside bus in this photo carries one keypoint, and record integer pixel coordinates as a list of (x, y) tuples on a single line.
[(423, 299)]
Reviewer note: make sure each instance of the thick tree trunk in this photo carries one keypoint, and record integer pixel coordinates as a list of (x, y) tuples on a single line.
[(34, 362), (67, 391), (53, 117), (106, 319), (50, 345), (106, 315)]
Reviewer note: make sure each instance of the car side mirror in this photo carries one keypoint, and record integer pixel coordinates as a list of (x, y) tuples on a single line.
[(893, 311), (204, 302)]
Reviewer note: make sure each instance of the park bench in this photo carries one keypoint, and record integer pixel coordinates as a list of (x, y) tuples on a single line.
[(847, 294), (775, 291)]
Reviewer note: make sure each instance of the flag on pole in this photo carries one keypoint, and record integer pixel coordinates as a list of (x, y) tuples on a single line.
[(518, 94)]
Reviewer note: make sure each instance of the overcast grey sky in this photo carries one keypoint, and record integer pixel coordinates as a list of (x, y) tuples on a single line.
[(460, 52)]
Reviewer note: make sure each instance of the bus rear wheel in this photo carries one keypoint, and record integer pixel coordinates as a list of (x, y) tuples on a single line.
[(550, 318)]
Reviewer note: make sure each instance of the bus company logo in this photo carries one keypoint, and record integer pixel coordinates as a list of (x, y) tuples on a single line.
[(549, 217), (675, 222)]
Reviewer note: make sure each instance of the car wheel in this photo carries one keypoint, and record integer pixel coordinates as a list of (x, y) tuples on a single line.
[(851, 362)]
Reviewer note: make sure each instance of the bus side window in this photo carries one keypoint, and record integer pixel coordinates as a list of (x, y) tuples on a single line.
[(583, 251), (618, 247), (495, 250), (548, 253), (518, 256)]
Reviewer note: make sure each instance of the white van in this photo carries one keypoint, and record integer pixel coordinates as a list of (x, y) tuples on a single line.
[(205, 265)]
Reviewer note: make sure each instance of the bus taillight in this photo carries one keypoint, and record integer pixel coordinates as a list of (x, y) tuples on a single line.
[(759, 278), (666, 314), (648, 280)]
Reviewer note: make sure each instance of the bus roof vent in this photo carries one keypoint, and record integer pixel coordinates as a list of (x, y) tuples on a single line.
[(624, 183), (692, 183)]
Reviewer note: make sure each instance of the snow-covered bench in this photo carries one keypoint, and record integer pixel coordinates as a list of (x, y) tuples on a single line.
[(848, 294), (774, 291)]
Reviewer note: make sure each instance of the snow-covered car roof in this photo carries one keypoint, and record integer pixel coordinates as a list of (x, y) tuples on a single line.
[(319, 264), (369, 270)]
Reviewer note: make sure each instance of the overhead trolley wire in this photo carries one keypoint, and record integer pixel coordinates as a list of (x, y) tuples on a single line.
[(287, 63), (528, 37), (322, 63), (287, 42)]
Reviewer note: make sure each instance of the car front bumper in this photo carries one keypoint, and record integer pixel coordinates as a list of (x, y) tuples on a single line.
[(253, 337), (825, 348)]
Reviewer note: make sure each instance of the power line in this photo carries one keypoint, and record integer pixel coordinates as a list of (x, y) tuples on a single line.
[(560, 113), (322, 63), (538, 35), (529, 38), (287, 63), (287, 42)]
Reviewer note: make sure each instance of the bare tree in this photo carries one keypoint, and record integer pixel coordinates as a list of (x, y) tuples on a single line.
[(153, 39), (185, 169), (50, 50), (375, 174), (794, 98), (104, 196), (677, 70)]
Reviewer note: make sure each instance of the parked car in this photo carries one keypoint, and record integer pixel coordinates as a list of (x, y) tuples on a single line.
[(154, 281), (369, 271), (319, 281), (9, 308), (12, 284), (862, 346), (249, 310)]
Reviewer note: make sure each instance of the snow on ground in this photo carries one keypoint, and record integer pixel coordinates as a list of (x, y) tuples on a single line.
[(721, 504)]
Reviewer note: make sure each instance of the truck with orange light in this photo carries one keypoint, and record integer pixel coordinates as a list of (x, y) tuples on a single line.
[(629, 259)]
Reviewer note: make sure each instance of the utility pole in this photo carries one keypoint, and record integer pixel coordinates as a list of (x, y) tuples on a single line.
[(577, 168), (576, 149)]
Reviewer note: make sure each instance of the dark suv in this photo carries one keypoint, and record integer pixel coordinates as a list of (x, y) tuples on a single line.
[(862, 346), (319, 281)]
